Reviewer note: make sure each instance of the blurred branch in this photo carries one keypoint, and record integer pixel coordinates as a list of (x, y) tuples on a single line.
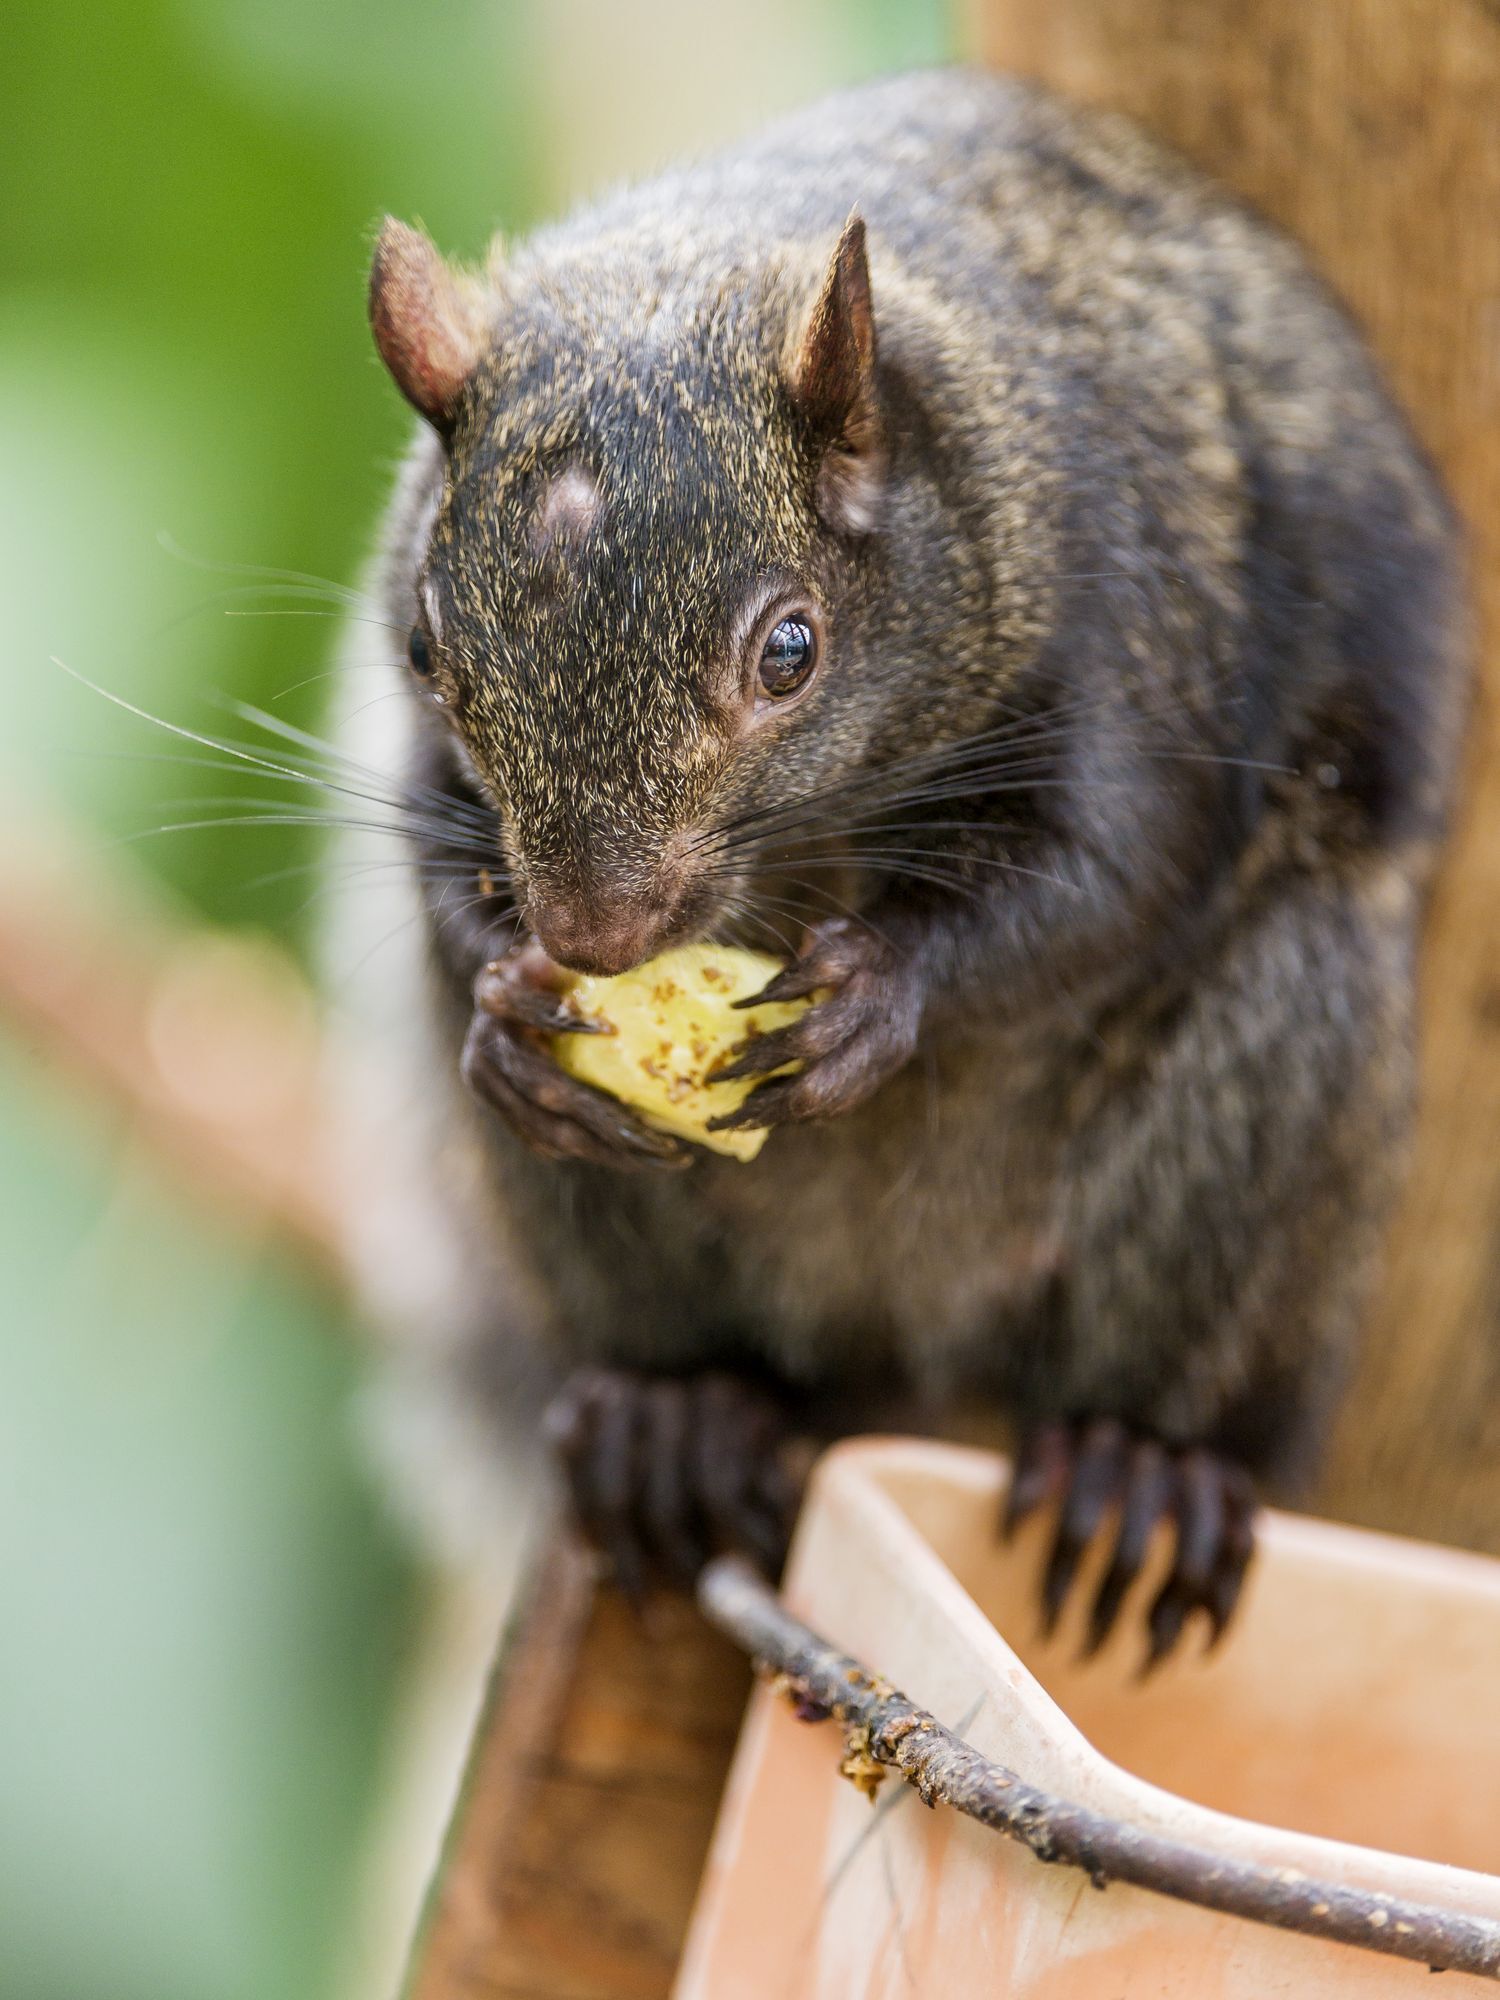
[(882, 1728), (204, 1041)]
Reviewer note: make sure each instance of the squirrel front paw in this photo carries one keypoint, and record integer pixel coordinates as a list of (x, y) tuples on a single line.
[(505, 1062), (858, 1034)]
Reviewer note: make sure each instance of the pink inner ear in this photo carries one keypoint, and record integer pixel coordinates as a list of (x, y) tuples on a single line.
[(431, 323), (832, 378)]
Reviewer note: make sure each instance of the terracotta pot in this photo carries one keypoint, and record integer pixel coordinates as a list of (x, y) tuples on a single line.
[(1348, 1724)]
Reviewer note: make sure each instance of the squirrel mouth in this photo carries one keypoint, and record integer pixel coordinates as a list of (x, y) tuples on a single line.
[(612, 936)]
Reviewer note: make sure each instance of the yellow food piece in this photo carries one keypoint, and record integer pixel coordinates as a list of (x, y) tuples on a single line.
[(673, 1019)]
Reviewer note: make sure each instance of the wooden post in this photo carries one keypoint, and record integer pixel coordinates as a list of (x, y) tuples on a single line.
[(574, 1856), (1371, 130)]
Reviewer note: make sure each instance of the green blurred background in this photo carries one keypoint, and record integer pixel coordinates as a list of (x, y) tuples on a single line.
[(206, 1613)]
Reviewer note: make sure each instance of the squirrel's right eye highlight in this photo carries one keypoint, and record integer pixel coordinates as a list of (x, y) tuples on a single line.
[(419, 652), (789, 657)]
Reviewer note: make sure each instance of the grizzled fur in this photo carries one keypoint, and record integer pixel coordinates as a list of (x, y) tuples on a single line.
[(1140, 486)]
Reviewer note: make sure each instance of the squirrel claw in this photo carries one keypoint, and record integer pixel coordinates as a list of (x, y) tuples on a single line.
[(663, 1472), (523, 987), (853, 1038), (558, 1116), (1099, 1468)]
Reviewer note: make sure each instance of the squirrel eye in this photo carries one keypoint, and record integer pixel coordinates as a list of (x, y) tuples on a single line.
[(788, 659), (419, 652)]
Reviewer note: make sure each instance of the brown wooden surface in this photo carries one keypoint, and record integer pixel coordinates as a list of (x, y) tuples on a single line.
[(578, 1843), (1371, 129)]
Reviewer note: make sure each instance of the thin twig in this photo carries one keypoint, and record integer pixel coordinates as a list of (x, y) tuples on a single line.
[(881, 1727)]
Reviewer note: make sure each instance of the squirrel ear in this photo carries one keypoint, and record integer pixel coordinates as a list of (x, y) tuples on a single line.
[(831, 374), (431, 323)]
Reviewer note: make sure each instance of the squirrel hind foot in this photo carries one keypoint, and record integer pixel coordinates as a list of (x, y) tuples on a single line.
[(1099, 1473), (662, 1472)]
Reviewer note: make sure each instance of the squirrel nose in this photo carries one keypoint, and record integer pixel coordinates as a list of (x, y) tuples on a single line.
[(604, 941)]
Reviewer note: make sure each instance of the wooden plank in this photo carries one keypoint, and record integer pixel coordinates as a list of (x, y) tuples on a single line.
[(1371, 130), (581, 1833)]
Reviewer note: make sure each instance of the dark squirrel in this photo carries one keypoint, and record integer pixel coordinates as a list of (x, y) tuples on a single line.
[(945, 536)]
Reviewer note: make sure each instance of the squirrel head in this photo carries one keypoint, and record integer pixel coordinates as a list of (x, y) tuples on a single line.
[(636, 604)]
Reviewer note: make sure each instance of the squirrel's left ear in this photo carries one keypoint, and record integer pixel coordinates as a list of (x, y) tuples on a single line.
[(431, 323), (831, 373)]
